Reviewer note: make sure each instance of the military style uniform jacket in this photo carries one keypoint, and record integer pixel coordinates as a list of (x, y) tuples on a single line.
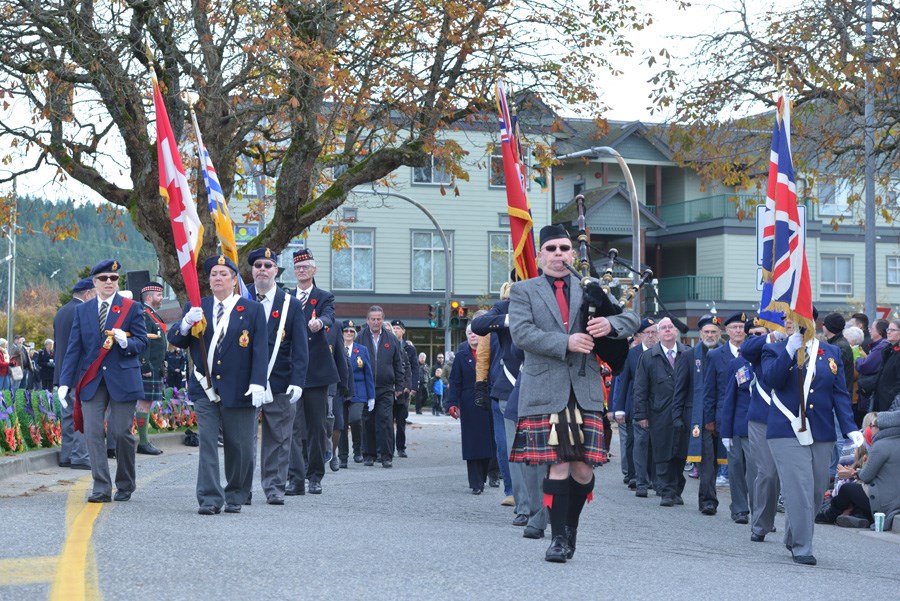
[(154, 356), (62, 326), (624, 399), (731, 419), (321, 369), (241, 359), (387, 360), (494, 322), (293, 353), (752, 350), (715, 380), (363, 380)]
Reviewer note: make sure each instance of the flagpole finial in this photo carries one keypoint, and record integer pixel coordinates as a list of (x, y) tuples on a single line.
[(190, 98)]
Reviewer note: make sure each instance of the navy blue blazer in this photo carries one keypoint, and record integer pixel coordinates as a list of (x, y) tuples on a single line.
[(62, 326), (715, 380), (293, 354), (828, 397), (241, 360), (363, 380), (494, 322), (624, 399), (121, 369), (731, 419), (321, 369), (387, 359), (752, 350)]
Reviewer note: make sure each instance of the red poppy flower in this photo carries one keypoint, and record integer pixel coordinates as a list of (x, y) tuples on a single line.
[(386, 345), (239, 308), (897, 349), (116, 309), (275, 314), (356, 350), (821, 352), (312, 302)]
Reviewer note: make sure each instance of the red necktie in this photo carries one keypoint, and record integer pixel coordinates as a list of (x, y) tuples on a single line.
[(563, 302)]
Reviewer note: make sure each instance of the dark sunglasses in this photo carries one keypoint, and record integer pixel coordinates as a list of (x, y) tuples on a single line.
[(349, 330), (108, 278), (758, 334), (263, 265), (551, 248)]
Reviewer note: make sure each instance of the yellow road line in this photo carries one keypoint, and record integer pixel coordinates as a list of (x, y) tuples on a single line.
[(27, 570), (72, 577)]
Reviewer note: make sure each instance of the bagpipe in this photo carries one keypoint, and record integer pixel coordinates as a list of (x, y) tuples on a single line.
[(598, 301)]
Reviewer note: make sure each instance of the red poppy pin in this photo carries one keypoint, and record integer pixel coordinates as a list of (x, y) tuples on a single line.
[(275, 314), (821, 352), (356, 350), (115, 309), (312, 302), (897, 349), (239, 308), (386, 345)]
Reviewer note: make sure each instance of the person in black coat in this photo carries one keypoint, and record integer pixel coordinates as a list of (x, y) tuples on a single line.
[(45, 361), (411, 386), (475, 422), (176, 367), (888, 385)]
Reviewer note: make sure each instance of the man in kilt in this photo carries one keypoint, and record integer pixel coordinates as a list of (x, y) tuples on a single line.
[(560, 422), (152, 360)]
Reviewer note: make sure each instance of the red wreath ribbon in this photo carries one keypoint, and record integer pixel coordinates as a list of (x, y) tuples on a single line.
[(239, 308)]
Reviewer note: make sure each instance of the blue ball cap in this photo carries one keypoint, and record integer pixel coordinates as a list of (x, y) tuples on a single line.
[(107, 266), (82, 285), (262, 253), (219, 260)]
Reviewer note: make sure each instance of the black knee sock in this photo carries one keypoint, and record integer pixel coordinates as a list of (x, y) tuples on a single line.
[(578, 494), (556, 498)]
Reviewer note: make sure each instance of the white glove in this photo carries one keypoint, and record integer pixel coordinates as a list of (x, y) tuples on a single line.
[(726, 442), (778, 336), (371, 404), (61, 393), (857, 437), (794, 342), (194, 315), (120, 337), (295, 391), (257, 395)]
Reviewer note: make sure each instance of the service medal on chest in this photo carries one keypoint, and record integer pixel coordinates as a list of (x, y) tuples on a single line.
[(244, 340), (359, 362), (832, 365)]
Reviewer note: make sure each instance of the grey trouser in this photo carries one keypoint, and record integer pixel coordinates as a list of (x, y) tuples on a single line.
[(275, 450), (72, 448), (804, 477), (119, 423), (237, 425), (765, 486), (741, 475)]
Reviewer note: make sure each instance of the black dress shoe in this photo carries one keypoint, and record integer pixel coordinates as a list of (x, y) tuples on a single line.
[(402, 453), (249, 500), (275, 501), (357, 459), (110, 453), (625, 479), (708, 510), (558, 550), (520, 520), (334, 465), (293, 490), (99, 497), (369, 462), (741, 518), (122, 495), (65, 464), (679, 500), (232, 508), (758, 538), (632, 484), (79, 466), (571, 535), (315, 488), (667, 502), (343, 465), (807, 560), (387, 463), (494, 481), (148, 449), (641, 492), (477, 491), (532, 532), (208, 510)]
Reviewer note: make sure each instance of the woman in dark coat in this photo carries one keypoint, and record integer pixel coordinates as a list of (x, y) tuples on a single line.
[(475, 423), (888, 385), (45, 362)]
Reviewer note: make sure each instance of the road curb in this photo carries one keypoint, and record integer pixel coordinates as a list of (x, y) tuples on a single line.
[(32, 461)]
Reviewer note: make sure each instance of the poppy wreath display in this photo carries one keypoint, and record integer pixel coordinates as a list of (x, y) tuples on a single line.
[(11, 440)]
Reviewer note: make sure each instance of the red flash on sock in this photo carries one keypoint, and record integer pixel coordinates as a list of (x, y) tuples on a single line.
[(590, 496), (548, 501), (141, 422)]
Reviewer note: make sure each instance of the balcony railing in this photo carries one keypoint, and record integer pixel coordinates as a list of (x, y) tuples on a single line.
[(690, 288), (719, 206)]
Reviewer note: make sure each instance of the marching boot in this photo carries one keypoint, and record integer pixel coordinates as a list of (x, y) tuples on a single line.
[(579, 494), (556, 499)]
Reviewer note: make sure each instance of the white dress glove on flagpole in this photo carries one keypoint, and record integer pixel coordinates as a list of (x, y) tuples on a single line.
[(257, 395), (61, 393), (794, 342), (726, 442), (295, 391), (371, 404), (120, 337), (857, 437), (194, 315)]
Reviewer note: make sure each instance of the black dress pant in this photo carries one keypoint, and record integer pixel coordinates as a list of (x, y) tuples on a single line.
[(378, 424), (709, 469), (353, 420), (401, 412), (477, 470), (852, 494), (310, 425)]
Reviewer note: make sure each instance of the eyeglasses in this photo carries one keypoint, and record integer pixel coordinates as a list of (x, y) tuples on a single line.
[(263, 265), (108, 278), (551, 248), (893, 329), (757, 334), (349, 330)]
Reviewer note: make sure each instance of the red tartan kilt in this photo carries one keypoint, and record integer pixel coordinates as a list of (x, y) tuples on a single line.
[(532, 440)]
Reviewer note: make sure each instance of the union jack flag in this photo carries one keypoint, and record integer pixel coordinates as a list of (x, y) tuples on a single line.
[(791, 290), (772, 319)]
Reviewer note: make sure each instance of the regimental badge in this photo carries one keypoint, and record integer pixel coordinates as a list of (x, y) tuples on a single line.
[(107, 344), (359, 362), (115, 266), (221, 260), (244, 340), (832, 365), (696, 431), (268, 254)]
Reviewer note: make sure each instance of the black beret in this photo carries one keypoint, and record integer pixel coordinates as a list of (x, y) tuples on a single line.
[(754, 322), (736, 318), (303, 254), (397, 322), (707, 320), (347, 324), (646, 323), (82, 285), (107, 266), (553, 232), (219, 260), (262, 253)]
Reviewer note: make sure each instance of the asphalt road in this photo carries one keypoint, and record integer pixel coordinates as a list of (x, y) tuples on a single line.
[(412, 531)]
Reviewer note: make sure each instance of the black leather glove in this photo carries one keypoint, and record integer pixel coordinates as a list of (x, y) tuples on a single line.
[(482, 396)]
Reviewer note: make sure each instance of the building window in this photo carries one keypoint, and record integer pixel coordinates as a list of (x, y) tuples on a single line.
[(497, 177), (433, 173), (834, 197), (353, 267), (893, 271), (893, 193), (501, 260), (503, 219), (429, 272), (836, 275)]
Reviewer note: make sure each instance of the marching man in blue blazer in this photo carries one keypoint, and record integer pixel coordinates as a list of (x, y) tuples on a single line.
[(237, 355), (363, 394), (103, 363), (803, 458)]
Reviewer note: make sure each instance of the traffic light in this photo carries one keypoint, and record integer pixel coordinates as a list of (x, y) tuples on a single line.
[(433, 315), (454, 314), (462, 314)]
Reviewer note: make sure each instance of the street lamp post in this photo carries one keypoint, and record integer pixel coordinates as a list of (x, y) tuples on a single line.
[(448, 284)]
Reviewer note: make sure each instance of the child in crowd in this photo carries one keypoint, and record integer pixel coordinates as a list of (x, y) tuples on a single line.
[(437, 387)]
